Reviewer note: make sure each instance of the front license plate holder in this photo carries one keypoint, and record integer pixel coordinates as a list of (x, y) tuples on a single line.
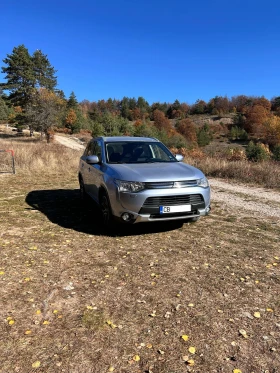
[(174, 209)]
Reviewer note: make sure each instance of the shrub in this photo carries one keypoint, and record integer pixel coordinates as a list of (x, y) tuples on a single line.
[(237, 133), (204, 136), (236, 154), (276, 153), (257, 152)]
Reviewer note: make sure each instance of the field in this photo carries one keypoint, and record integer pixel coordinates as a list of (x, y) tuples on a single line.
[(168, 298)]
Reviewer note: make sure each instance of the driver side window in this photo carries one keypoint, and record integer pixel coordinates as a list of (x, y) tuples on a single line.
[(97, 150), (89, 149)]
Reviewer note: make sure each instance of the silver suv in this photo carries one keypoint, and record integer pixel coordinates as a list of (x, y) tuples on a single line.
[(137, 179)]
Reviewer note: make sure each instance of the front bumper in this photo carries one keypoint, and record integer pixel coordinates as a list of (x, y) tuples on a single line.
[(145, 206)]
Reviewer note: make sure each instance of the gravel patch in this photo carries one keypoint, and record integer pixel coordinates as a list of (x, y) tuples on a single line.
[(256, 201)]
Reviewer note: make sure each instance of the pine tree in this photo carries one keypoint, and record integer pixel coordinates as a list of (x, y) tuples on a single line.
[(25, 73), (72, 103), (43, 71), (20, 76), (4, 111)]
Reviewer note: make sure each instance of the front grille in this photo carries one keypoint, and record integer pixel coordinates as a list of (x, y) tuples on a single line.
[(171, 184), (159, 185), (188, 199)]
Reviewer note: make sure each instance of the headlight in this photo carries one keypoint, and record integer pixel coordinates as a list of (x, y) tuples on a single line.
[(130, 186), (203, 183)]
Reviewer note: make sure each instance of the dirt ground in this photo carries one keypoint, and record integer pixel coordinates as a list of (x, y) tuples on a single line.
[(152, 298), (69, 142)]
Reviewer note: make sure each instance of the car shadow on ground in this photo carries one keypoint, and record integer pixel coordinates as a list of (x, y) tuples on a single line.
[(64, 208)]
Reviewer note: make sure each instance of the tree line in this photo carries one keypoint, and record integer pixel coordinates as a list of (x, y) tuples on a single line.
[(29, 98)]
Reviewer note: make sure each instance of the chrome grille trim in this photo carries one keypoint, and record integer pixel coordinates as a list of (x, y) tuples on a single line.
[(171, 184), (192, 199)]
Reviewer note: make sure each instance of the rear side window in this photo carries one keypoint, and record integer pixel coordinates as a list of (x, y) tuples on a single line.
[(89, 149)]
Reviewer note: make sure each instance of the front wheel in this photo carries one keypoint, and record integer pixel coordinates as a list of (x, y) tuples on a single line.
[(106, 210), (83, 194)]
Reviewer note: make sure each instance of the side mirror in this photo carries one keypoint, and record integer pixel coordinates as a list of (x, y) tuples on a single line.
[(179, 157), (92, 159)]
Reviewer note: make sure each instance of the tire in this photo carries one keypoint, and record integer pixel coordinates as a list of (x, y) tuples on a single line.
[(83, 194), (106, 211)]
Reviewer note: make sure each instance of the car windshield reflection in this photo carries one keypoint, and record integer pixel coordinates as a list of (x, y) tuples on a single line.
[(137, 152)]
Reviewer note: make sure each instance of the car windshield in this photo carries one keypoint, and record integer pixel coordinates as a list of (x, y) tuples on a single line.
[(137, 152)]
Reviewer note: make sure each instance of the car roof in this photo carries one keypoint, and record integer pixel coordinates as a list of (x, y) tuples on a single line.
[(126, 138)]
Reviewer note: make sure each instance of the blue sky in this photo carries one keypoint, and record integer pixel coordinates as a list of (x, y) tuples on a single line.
[(161, 50)]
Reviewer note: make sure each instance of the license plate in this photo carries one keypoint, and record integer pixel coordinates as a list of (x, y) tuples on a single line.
[(172, 209)]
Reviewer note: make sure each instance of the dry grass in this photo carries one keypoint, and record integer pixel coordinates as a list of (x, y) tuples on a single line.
[(265, 174), (33, 156), (82, 301)]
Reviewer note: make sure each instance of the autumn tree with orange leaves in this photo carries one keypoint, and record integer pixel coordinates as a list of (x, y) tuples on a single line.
[(44, 111), (272, 130), (255, 118), (186, 127), (160, 121)]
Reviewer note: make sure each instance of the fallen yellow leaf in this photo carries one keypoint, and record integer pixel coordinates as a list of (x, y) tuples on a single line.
[(36, 364), (11, 322), (111, 369), (28, 332), (109, 322), (192, 350), (190, 362), (136, 357), (185, 337), (243, 333), (236, 371), (257, 315)]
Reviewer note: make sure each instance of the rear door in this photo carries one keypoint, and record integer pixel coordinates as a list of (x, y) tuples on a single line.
[(95, 174), (84, 167)]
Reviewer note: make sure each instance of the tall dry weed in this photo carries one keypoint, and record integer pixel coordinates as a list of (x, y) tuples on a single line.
[(35, 157), (266, 174)]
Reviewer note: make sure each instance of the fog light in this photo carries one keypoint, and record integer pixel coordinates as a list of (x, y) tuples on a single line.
[(126, 216)]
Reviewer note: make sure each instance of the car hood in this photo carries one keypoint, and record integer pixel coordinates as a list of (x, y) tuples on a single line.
[(152, 172)]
